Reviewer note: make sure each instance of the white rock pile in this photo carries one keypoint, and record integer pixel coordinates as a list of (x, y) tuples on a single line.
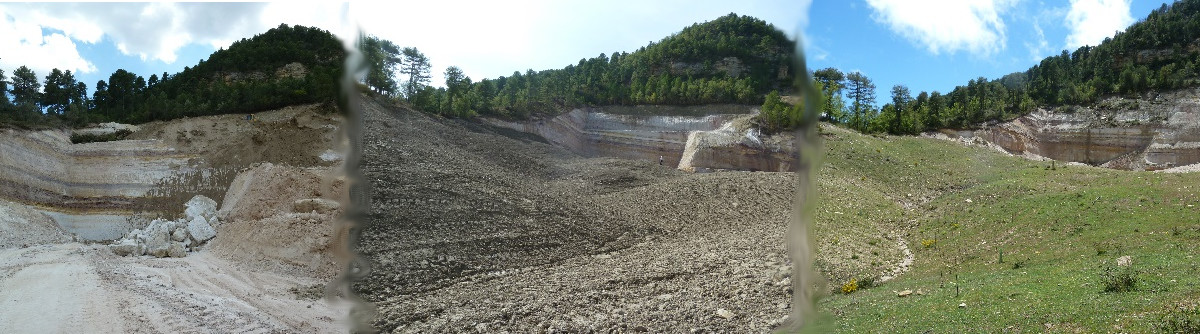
[(172, 238)]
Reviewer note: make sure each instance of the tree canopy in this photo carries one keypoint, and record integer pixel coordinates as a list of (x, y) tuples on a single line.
[(283, 66), (1158, 53), (733, 59)]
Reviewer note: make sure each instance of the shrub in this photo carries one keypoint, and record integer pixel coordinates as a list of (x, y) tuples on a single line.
[(867, 282), (1019, 264), (927, 243), (850, 286), (1119, 278), (1180, 319), (1104, 247), (80, 138)]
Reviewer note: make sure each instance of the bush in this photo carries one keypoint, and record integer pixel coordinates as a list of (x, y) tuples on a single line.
[(1119, 278), (867, 282), (1180, 319), (927, 243), (80, 138), (850, 286), (777, 116)]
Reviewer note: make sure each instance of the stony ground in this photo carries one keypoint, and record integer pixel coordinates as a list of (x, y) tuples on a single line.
[(478, 229)]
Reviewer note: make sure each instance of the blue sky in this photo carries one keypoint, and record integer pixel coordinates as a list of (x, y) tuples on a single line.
[(926, 45), (940, 47)]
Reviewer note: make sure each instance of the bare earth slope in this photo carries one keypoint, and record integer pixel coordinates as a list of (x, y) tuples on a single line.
[(476, 228), (262, 273)]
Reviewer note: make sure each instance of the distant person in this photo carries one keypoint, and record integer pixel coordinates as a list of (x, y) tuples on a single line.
[(660, 160), (249, 117)]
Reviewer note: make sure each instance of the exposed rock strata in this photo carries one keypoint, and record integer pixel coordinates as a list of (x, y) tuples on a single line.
[(1156, 132), (43, 167), (700, 139)]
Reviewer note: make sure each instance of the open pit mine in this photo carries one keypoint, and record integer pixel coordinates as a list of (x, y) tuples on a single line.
[(216, 223)]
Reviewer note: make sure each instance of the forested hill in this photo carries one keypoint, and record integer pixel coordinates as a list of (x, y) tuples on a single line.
[(1159, 53), (283, 66), (732, 59)]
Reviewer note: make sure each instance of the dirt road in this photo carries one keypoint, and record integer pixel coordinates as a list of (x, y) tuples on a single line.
[(69, 287)]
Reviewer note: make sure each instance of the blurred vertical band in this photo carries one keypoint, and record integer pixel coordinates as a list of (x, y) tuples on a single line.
[(349, 227), (807, 286)]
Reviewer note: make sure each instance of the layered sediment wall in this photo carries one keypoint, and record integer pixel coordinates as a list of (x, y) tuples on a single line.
[(91, 189), (691, 138), (45, 169), (1149, 133), (88, 189)]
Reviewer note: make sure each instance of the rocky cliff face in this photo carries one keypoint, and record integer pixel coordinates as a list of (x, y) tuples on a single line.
[(44, 168), (695, 138), (86, 188), (91, 189), (1153, 132), (736, 146)]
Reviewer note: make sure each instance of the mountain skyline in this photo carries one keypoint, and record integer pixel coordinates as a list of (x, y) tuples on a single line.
[(891, 42)]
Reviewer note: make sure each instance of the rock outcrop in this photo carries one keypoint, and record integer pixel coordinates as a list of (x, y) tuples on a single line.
[(737, 146), (43, 167), (1154, 132), (172, 238), (696, 138)]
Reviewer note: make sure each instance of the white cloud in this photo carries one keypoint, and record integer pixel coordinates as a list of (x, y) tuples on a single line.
[(1040, 48), (949, 26), (25, 44), (156, 31), (812, 51), (547, 34), (1090, 21)]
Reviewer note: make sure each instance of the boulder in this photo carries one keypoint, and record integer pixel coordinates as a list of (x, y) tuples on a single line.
[(180, 234), (200, 229), (126, 247), (158, 239), (168, 238), (320, 205), (176, 249), (136, 234), (200, 206)]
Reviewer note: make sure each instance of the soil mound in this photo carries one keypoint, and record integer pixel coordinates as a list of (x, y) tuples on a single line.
[(296, 135), (261, 226), (22, 226)]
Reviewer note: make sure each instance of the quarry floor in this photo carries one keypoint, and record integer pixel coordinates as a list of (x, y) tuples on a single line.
[(68, 287)]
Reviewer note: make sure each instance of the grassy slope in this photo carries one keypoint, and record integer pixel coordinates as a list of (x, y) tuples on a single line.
[(1049, 224)]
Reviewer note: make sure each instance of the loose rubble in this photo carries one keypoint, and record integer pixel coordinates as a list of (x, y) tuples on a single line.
[(475, 228), (172, 238)]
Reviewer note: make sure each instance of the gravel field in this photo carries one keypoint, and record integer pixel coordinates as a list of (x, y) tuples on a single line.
[(474, 228)]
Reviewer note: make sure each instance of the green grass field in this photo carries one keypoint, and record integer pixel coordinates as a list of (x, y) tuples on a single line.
[(1024, 247)]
